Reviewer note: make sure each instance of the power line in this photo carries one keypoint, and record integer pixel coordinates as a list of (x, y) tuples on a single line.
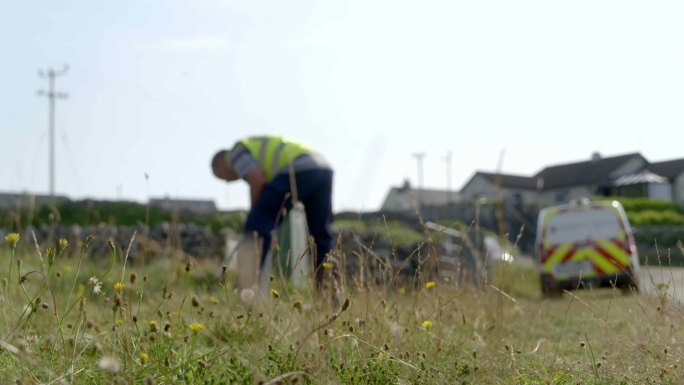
[(51, 94)]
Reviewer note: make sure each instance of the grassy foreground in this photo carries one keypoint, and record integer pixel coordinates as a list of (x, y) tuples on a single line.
[(67, 317)]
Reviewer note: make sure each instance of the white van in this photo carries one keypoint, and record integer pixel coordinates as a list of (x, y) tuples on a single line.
[(585, 244)]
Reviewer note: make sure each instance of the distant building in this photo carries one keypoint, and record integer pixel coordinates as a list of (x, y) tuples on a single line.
[(197, 206), (406, 198), (629, 175), (584, 179), (515, 189), (26, 199), (673, 170)]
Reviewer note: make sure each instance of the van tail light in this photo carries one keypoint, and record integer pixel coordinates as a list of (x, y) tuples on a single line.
[(629, 245)]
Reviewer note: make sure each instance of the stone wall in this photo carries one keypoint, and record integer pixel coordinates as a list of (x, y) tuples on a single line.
[(162, 240)]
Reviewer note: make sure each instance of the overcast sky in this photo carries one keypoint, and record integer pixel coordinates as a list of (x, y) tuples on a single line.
[(155, 87)]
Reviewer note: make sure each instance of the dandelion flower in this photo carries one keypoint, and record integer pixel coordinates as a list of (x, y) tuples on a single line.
[(144, 357), (430, 284), (119, 286), (274, 294), (153, 325), (12, 239), (327, 265), (196, 327), (213, 300), (427, 324), (402, 291), (120, 322), (297, 304)]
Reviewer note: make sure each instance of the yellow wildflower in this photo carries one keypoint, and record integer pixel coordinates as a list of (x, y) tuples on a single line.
[(427, 324), (196, 327), (153, 325), (327, 265), (119, 286), (12, 239), (430, 284), (402, 291), (297, 304), (50, 254), (144, 357), (213, 300), (63, 244), (274, 293), (120, 321)]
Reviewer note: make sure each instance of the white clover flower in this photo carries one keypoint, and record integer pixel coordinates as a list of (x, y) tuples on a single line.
[(97, 285)]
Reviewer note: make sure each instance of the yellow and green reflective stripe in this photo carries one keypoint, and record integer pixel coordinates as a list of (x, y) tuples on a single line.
[(557, 256), (615, 251)]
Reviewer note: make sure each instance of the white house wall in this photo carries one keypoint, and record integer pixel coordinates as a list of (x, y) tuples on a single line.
[(660, 191), (482, 187), (398, 202), (678, 190), (527, 197), (478, 186)]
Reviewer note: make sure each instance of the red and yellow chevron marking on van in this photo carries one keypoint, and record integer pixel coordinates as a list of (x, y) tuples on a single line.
[(606, 256)]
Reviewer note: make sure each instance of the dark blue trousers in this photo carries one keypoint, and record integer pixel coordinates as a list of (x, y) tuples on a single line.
[(314, 190)]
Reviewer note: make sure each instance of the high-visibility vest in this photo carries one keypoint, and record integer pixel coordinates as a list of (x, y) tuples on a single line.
[(273, 153)]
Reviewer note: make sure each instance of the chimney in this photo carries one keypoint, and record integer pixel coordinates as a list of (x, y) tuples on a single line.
[(595, 156)]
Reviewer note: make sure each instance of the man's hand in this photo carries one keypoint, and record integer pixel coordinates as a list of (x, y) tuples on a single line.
[(256, 180)]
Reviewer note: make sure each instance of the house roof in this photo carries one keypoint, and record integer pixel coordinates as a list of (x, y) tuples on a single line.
[(597, 170), (669, 168), (511, 181), (641, 177)]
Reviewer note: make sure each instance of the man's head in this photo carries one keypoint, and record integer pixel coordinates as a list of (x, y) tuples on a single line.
[(220, 165)]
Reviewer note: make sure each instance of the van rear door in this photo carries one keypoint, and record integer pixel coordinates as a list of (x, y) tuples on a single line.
[(583, 240)]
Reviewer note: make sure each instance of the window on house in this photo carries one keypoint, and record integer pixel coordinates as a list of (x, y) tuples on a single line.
[(561, 197)]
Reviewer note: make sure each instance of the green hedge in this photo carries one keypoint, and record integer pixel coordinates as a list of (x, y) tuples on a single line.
[(646, 212), (653, 217), (87, 213), (644, 204)]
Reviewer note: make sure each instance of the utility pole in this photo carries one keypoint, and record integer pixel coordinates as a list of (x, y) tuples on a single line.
[(51, 94), (498, 199), (419, 159)]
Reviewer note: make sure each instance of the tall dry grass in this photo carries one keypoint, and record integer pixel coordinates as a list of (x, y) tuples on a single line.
[(69, 317)]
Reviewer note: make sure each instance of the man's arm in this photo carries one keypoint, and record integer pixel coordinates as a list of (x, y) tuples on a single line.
[(256, 180)]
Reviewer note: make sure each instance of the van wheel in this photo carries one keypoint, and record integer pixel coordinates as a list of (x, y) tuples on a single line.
[(550, 290), (630, 287)]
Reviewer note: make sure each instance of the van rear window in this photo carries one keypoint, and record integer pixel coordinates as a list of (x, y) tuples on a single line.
[(583, 225)]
